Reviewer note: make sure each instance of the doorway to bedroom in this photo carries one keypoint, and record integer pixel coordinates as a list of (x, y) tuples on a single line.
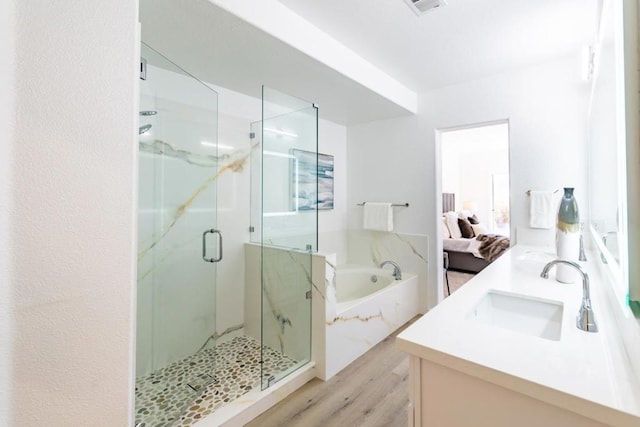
[(475, 200)]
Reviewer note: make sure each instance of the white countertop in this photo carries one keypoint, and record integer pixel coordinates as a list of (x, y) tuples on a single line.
[(587, 373)]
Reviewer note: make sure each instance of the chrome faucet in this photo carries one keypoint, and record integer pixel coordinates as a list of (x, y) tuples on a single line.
[(397, 274), (586, 319), (582, 256)]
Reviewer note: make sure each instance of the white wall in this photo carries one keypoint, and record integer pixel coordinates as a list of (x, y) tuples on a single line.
[(68, 229), (332, 140), (7, 111), (397, 159)]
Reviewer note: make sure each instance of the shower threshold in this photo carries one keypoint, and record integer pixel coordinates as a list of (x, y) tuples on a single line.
[(166, 396)]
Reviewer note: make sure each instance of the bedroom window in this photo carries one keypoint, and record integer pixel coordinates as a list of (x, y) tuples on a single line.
[(500, 203)]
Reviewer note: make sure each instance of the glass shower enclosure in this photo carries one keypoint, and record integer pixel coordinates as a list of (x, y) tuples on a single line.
[(186, 369)]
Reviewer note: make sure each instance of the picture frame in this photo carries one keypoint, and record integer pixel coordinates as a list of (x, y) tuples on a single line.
[(305, 195)]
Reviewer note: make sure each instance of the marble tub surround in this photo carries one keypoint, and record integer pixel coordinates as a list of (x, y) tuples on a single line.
[(410, 251), (343, 331), (329, 300), (323, 304), (359, 325), (586, 374), (339, 336)]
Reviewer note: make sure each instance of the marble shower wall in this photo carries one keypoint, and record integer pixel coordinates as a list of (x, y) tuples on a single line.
[(287, 312), (410, 251), (177, 290), (233, 213)]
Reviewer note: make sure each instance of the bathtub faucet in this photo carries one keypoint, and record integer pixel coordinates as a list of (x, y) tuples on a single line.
[(397, 274)]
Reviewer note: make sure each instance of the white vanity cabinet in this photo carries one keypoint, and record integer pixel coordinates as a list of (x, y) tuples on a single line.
[(473, 365), (441, 396)]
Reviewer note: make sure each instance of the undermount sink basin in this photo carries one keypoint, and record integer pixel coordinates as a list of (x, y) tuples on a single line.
[(519, 313)]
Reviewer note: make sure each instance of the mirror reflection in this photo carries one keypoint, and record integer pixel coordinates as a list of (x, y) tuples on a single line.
[(606, 141)]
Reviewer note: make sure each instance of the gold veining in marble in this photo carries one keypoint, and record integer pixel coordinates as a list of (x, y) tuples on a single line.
[(164, 257), (413, 249), (356, 317), (165, 149), (217, 335), (236, 165)]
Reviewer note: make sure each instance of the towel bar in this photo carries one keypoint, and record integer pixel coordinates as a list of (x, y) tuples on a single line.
[(528, 192), (406, 205)]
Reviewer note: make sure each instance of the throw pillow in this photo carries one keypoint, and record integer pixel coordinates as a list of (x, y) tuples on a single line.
[(445, 229), (452, 224), (473, 219), (465, 228)]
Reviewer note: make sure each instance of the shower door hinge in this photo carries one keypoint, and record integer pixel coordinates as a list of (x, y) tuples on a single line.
[(143, 69), (309, 248), (252, 135), (251, 229), (308, 295)]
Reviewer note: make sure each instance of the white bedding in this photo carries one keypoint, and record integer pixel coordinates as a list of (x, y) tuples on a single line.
[(462, 245)]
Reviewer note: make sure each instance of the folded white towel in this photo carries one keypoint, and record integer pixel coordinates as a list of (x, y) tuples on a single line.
[(378, 216), (541, 214)]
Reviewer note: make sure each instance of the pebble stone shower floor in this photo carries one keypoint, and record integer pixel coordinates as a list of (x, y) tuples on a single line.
[(166, 397)]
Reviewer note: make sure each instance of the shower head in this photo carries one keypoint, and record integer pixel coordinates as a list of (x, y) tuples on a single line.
[(148, 113), (143, 129)]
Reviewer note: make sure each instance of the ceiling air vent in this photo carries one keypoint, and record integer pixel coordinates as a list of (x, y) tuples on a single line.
[(422, 6)]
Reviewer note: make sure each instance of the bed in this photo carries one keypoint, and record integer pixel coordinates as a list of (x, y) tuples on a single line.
[(465, 253)]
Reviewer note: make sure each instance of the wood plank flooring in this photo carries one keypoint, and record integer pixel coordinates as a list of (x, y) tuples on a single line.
[(370, 392)]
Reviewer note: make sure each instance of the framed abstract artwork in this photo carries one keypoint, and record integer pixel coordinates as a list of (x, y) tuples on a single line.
[(305, 195)]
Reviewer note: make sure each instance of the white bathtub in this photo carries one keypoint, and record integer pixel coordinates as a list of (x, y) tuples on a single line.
[(354, 284), (364, 311)]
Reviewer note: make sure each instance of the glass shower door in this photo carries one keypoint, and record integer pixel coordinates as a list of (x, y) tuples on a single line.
[(178, 243), (288, 229)]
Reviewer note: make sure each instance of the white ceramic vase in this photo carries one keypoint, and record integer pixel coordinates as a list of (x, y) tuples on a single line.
[(567, 236)]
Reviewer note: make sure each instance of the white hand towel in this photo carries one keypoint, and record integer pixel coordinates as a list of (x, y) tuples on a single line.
[(541, 213), (378, 216)]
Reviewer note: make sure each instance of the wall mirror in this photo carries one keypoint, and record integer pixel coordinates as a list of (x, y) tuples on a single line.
[(611, 126)]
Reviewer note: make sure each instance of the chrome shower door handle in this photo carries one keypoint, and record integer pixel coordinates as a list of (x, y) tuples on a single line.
[(204, 245)]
